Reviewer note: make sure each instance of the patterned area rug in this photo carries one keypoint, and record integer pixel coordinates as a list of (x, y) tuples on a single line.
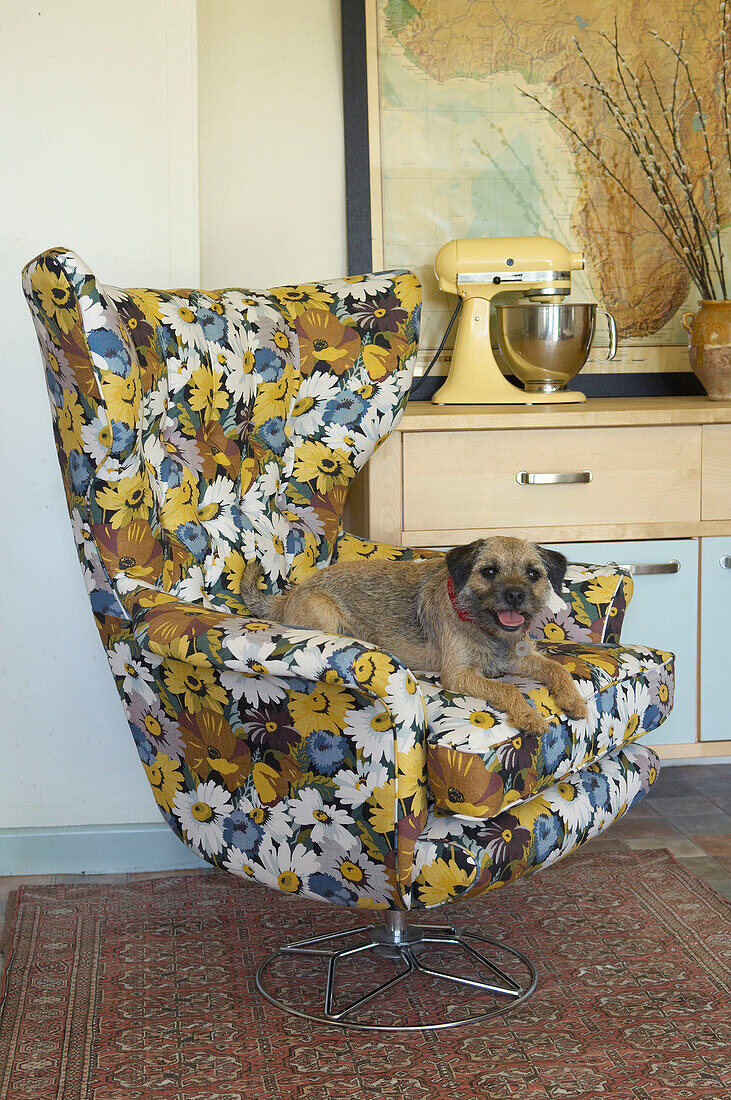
[(147, 990)]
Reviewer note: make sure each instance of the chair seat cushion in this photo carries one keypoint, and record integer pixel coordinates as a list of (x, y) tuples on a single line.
[(479, 765)]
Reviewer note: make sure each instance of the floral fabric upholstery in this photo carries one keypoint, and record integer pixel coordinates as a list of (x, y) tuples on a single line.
[(478, 765), (591, 608), (196, 431), (456, 858)]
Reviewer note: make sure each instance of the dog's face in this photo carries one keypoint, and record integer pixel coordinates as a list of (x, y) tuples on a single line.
[(503, 582)]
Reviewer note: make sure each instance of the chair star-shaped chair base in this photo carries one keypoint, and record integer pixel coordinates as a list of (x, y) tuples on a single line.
[(408, 945)]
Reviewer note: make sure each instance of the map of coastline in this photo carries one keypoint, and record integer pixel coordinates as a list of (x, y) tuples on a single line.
[(464, 153)]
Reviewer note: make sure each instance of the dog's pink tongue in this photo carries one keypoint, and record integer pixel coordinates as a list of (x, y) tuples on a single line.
[(511, 618)]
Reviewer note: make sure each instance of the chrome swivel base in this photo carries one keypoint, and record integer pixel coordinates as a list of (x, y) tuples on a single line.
[(405, 945)]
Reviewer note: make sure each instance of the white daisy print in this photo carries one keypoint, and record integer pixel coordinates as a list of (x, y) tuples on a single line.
[(305, 417), (329, 824), (272, 541), (240, 377), (632, 702), (97, 438), (359, 287), (134, 673), (182, 320), (215, 510), (191, 588), (273, 819), (572, 803), (357, 873), (404, 699), (284, 868), (372, 733), (353, 788), (180, 370), (201, 814)]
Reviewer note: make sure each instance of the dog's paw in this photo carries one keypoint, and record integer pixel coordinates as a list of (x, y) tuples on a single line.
[(574, 706), (530, 721)]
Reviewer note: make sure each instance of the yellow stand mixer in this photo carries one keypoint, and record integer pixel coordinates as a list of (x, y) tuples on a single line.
[(477, 270)]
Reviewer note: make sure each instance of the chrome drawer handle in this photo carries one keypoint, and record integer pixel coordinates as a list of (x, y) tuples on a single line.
[(580, 478), (641, 570), (725, 562)]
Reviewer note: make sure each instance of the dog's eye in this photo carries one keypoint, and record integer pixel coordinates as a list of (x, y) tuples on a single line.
[(532, 575), (490, 572)]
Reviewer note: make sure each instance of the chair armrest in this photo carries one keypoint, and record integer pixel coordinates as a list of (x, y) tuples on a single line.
[(322, 674), (168, 626), (594, 603)]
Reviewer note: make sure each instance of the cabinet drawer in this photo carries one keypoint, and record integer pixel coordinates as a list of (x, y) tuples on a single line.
[(717, 471), (470, 479)]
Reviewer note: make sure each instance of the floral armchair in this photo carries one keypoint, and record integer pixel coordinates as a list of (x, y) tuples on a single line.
[(196, 431)]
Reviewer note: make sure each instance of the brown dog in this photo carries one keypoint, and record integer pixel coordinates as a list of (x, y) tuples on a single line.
[(464, 615)]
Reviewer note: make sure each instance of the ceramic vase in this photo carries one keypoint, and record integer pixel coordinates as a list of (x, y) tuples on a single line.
[(709, 346)]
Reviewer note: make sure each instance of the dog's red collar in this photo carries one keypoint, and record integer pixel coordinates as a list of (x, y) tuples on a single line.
[(463, 615)]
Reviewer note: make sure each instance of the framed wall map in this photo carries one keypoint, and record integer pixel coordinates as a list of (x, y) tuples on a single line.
[(444, 143)]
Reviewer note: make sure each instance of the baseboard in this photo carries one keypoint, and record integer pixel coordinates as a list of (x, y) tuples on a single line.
[(93, 850)]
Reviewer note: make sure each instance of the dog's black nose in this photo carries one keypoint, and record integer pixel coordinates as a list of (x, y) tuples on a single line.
[(513, 597)]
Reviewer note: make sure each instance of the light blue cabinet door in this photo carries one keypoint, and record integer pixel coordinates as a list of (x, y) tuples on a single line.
[(662, 614), (715, 666)]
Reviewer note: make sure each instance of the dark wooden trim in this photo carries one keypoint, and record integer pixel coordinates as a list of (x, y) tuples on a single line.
[(668, 384), (357, 150)]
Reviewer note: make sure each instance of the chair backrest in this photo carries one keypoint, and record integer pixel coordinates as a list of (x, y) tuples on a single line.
[(196, 431)]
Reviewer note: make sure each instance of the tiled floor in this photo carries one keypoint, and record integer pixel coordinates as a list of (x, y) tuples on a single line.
[(688, 812)]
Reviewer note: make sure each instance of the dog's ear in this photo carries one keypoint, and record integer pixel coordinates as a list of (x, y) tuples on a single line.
[(460, 560), (555, 564)]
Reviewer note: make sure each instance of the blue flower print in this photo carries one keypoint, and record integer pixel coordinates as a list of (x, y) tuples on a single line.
[(325, 750)]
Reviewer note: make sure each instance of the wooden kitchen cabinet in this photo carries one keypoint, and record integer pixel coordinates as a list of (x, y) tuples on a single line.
[(630, 474)]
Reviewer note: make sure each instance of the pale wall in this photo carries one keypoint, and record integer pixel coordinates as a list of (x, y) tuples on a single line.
[(271, 141), (100, 154)]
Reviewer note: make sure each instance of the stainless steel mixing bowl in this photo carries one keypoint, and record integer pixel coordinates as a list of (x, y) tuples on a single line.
[(546, 345)]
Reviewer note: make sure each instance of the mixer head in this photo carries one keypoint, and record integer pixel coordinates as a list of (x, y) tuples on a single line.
[(537, 267)]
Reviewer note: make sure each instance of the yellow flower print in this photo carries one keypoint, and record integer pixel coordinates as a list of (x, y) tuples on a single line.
[(381, 807), (70, 422), (148, 303), (600, 590), (233, 567), (55, 296), (631, 727), (273, 398), (408, 291), (382, 721), (411, 778), (443, 879), (482, 719), (190, 676), (181, 503), (206, 394), (580, 613), (165, 779), (553, 632), (127, 499), (266, 782), (296, 299), (314, 462), (542, 701), (249, 470), (373, 669), (122, 396), (305, 562), (528, 812), (324, 708)]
